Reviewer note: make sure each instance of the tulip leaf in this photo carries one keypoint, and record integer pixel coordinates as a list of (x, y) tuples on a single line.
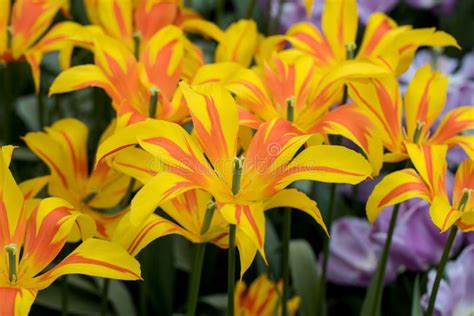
[(305, 275), (416, 309)]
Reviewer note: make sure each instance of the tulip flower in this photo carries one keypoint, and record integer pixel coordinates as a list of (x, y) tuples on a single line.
[(264, 94), (424, 100), (130, 83), (63, 148), (384, 42), (429, 184), (31, 238), (267, 169), (261, 298)]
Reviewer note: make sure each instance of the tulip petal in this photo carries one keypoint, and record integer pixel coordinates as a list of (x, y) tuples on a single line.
[(352, 122), (136, 163), (161, 188), (32, 187), (442, 214), (250, 219), (247, 251), (94, 257), (464, 179), (11, 203), (298, 200), (4, 17), (134, 238), (215, 121), (455, 122), (377, 27), (239, 43), (326, 163), (16, 301), (395, 188), (424, 100), (430, 162), (339, 23)]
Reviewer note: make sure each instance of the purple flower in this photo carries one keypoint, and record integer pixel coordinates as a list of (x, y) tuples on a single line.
[(456, 292), (417, 243), (442, 7), (353, 255), (293, 11)]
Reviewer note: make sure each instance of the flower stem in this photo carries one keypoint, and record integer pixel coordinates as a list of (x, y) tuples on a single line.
[(196, 271), (195, 280), (440, 270), (8, 104), (285, 254), (324, 267), (105, 298), (231, 271), (251, 8)]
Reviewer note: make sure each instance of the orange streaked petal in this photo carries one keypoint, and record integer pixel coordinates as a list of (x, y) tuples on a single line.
[(455, 122), (377, 26), (339, 23), (215, 119), (4, 19), (16, 301), (443, 215), (464, 179), (424, 100), (32, 187), (395, 188), (137, 163), (430, 162), (96, 258), (239, 43), (326, 163)]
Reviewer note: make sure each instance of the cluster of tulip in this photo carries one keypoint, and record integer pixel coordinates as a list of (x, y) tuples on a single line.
[(212, 146)]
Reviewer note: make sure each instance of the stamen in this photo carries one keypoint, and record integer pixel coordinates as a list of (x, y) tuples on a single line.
[(11, 250), (290, 109), (238, 163), (350, 50), (418, 130), (153, 102), (466, 194)]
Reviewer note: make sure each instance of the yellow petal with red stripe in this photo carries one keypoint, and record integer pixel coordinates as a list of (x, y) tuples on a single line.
[(326, 163), (339, 23), (272, 148), (395, 188), (32, 187), (247, 251), (136, 163), (134, 238), (455, 122), (430, 162), (466, 222), (464, 180), (215, 120), (29, 20), (16, 301), (11, 203), (239, 43), (161, 188), (114, 16), (377, 27), (424, 100), (353, 122), (250, 219), (443, 215), (163, 60), (217, 73), (307, 38), (297, 200), (381, 98), (94, 257), (4, 19), (203, 27)]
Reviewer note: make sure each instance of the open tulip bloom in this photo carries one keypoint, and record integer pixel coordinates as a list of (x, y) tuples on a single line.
[(33, 233), (207, 161)]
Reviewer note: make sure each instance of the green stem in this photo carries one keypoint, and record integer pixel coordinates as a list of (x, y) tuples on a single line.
[(285, 254), (324, 267), (231, 271), (41, 109), (195, 280), (220, 12), (251, 8), (268, 18), (440, 270), (105, 297), (64, 296), (196, 272)]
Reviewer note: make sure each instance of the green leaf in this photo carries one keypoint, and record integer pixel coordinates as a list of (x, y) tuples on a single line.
[(416, 309), (305, 275)]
